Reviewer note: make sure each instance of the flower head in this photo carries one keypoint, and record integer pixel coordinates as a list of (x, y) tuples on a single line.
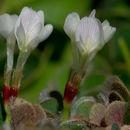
[(30, 29), (88, 36), (89, 33)]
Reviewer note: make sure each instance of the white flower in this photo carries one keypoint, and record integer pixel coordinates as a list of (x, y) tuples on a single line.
[(30, 29), (7, 24), (89, 33)]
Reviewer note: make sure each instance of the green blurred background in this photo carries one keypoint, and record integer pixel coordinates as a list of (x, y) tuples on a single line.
[(49, 65)]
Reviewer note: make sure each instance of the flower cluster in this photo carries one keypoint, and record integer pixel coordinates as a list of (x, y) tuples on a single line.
[(88, 35)]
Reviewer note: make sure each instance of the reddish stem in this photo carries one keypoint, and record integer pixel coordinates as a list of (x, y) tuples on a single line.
[(13, 92), (70, 92), (6, 91)]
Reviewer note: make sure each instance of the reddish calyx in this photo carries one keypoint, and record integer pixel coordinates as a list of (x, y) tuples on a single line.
[(13, 92), (9, 92), (70, 92), (6, 91)]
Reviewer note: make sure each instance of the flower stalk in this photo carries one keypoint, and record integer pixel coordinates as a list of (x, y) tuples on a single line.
[(17, 75), (71, 90), (65, 113), (6, 95)]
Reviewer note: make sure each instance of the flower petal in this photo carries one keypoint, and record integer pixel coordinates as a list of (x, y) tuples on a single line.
[(34, 32), (26, 16), (20, 35), (88, 33), (71, 23), (105, 23), (44, 34), (7, 23), (108, 31), (92, 14), (41, 16)]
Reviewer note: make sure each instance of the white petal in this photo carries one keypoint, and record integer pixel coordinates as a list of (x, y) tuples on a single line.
[(89, 33), (30, 19), (41, 16), (44, 34), (70, 25), (92, 14), (101, 44), (20, 35), (105, 23), (34, 32), (7, 23), (26, 16), (108, 31)]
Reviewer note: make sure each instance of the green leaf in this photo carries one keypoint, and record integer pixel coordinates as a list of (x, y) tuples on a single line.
[(50, 104), (82, 106), (115, 84), (97, 113), (23, 111), (114, 113)]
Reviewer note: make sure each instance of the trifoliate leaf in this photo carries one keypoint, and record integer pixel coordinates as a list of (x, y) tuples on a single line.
[(97, 113)]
